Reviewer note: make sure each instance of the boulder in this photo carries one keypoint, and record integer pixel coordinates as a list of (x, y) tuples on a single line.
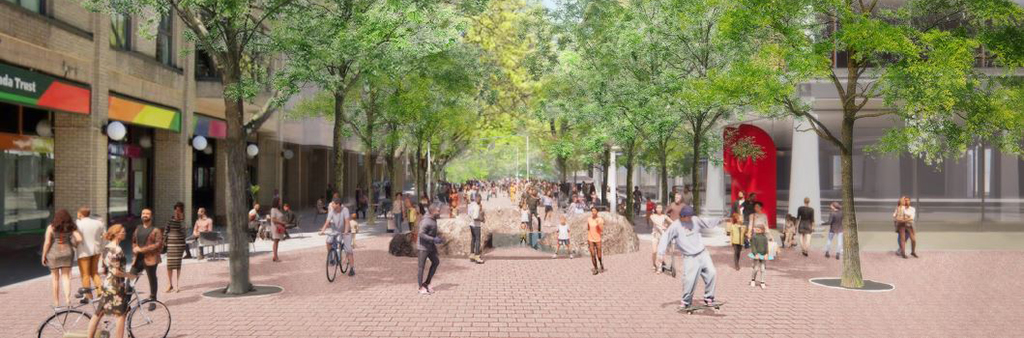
[(618, 235), (402, 245), (457, 236)]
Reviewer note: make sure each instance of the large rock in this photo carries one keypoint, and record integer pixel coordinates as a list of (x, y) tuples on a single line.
[(402, 245), (457, 236), (618, 236)]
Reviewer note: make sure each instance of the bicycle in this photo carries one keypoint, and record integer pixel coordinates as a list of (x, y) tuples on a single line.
[(145, 318), (334, 261)]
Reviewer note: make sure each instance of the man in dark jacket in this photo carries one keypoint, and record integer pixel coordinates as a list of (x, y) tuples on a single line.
[(426, 244)]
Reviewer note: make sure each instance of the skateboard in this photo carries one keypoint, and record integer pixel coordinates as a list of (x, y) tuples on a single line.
[(698, 307)]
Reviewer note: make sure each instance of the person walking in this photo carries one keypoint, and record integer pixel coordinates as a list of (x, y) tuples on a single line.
[(805, 220), (563, 237), (737, 232), (113, 292), (759, 239), (835, 229), (203, 225), (532, 201), (638, 198), (685, 231), (476, 215), (595, 227), (89, 249), (426, 244), (147, 242), (277, 225), (737, 206), (904, 217), (675, 207), (748, 207), (397, 213), (59, 244), (659, 223), (175, 247), (549, 203)]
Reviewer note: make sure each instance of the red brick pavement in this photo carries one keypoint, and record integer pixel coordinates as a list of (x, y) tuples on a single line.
[(521, 293)]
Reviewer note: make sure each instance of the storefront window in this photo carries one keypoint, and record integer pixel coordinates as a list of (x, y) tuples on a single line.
[(130, 173), (120, 31), (26, 171), (32, 5)]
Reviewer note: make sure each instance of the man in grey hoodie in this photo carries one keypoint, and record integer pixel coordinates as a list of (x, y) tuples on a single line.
[(696, 259), (426, 243)]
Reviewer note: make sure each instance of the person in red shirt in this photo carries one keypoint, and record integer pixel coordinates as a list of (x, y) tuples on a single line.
[(650, 209), (595, 226)]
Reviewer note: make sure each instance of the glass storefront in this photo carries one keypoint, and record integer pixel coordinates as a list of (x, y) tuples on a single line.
[(203, 178), (26, 169), (130, 175)]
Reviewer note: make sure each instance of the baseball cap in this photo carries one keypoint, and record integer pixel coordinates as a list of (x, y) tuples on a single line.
[(686, 211)]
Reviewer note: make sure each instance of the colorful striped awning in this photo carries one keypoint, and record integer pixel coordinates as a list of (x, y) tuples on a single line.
[(37, 90), (210, 127), (139, 113)]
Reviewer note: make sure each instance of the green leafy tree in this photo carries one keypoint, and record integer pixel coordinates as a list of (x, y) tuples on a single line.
[(235, 34), (917, 60)]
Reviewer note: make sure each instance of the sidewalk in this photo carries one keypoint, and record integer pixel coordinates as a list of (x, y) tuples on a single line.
[(523, 293)]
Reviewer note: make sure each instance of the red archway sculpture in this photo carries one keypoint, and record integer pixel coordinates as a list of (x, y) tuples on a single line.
[(749, 175)]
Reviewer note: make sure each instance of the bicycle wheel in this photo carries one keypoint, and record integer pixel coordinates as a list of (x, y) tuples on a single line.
[(344, 264), (333, 263), (65, 322), (144, 321)]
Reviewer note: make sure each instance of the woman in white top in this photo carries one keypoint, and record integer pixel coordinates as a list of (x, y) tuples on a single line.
[(904, 217), (277, 225), (659, 223)]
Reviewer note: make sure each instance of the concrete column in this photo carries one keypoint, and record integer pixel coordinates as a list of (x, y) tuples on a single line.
[(1009, 188), (714, 196), (803, 174)]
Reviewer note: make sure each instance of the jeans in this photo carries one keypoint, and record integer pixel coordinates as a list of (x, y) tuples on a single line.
[(422, 261), (475, 242), (400, 224), (839, 242), (533, 214), (758, 267), (138, 265), (698, 265)]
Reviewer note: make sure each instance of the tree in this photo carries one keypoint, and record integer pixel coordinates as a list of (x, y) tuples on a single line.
[(917, 59), (234, 34)]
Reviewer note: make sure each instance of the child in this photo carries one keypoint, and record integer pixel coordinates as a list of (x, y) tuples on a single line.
[(563, 238), (737, 232), (524, 223)]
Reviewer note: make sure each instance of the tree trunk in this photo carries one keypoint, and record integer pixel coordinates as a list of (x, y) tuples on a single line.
[(237, 184), (852, 277), (339, 143), (605, 163), (418, 173), (663, 165), (629, 183), (695, 171), (370, 158)]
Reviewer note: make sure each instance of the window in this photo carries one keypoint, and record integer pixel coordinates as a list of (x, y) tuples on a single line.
[(165, 40), (37, 6), (205, 68), (120, 31)]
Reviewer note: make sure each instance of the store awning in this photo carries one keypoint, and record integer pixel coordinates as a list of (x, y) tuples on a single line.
[(28, 88), (210, 127), (135, 112)]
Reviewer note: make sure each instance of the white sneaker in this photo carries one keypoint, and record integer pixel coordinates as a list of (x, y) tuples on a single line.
[(554, 256), (570, 256), (752, 283)]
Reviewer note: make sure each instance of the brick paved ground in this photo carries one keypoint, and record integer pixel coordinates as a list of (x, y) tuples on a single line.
[(522, 293)]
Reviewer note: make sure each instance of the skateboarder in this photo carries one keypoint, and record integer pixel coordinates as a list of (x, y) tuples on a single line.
[(696, 259)]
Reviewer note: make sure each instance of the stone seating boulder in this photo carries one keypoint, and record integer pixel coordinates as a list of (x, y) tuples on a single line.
[(402, 245), (618, 236)]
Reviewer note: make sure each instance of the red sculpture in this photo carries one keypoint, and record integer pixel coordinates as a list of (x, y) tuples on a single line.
[(749, 175)]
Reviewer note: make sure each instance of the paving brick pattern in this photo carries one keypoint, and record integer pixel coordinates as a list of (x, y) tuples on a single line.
[(522, 293)]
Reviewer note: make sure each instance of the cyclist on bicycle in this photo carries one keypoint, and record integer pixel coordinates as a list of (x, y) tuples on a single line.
[(336, 226)]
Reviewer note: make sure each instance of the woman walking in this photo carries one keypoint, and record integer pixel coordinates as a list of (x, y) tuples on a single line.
[(805, 219), (595, 227), (277, 225), (904, 217), (835, 229), (759, 239), (113, 294), (175, 248), (659, 223), (59, 254)]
